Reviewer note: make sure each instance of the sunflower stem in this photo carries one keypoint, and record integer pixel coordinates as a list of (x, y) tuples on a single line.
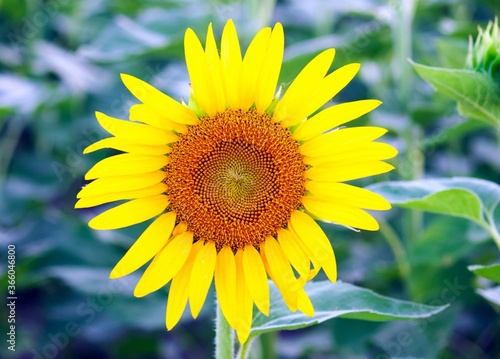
[(244, 349), (397, 248), (224, 336)]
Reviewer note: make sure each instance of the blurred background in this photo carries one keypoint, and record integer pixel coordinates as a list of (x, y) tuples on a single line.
[(60, 61)]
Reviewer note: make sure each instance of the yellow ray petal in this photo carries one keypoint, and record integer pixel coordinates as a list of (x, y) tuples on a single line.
[(225, 284), (368, 151), (147, 114), (245, 304), (129, 213), (180, 228), (215, 70), (197, 66), (346, 195), (231, 63), (329, 143), (280, 271), (304, 84), (252, 65), (327, 88), (126, 146), (160, 102), (179, 289), (294, 252), (135, 132), (126, 164), (332, 212), (201, 277), (256, 278), (269, 74), (315, 239), (304, 303), (121, 183), (165, 265), (348, 170), (146, 246), (91, 201), (333, 117)]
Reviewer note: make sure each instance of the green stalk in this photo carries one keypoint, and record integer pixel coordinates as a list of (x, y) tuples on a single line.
[(244, 349), (224, 336), (397, 248), (412, 135)]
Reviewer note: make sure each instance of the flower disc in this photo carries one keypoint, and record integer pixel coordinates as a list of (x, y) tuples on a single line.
[(235, 178)]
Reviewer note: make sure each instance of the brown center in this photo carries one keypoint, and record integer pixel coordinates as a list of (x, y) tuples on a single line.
[(235, 178)]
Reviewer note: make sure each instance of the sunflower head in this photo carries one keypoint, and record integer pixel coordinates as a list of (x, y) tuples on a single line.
[(235, 181), (484, 55)]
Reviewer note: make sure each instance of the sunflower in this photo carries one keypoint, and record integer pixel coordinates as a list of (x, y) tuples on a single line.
[(236, 180)]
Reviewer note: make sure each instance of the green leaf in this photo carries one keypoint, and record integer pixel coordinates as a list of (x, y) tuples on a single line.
[(476, 93), (491, 272), (491, 294), (459, 196), (338, 300)]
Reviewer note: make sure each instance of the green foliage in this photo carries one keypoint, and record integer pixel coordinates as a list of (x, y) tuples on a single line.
[(60, 62), (476, 94), (338, 300), (491, 272)]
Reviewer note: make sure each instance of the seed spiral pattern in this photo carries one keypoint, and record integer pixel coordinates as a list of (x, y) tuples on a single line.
[(235, 178)]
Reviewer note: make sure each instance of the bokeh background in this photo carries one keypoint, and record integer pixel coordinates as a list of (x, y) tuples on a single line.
[(60, 61)]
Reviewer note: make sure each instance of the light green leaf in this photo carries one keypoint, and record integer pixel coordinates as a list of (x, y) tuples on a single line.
[(476, 93), (338, 300), (491, 272), (459, 196), (491, 294)]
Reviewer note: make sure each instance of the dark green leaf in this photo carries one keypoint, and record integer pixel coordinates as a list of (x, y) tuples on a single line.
[(338, 300), (476, 93), (458, 196), (491, 272)]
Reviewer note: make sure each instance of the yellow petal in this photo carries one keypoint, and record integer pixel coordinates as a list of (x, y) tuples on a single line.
[(121, 183), (328, 88), (304, 303), (179, 289), (280, 271), (161, 103), (225, 284), (147, 114), (126, 164), (201, 277), (349, 196), (231, 63), (368, 151), (215, 70), (329, 143), (332, 212), (245, 305), (333, 117), (294, 252), (91, 201), (129, 213), (256, 278), (197, 66), (304, 84), (146, 246), (269, 74), (165, 265), (252, 65), (126, 146), (347, 170), (135, 132), (317, 242)]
